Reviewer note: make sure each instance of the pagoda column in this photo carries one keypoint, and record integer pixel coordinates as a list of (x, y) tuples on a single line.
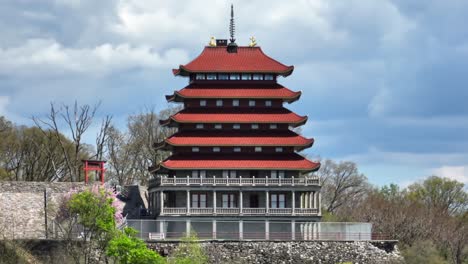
[(311, 200), (241, 201), (188, 202), (214, 229), (214, 202), (267, 206), (293, 202), (187, 227), (161, 201), (241, 229), (293, 229)]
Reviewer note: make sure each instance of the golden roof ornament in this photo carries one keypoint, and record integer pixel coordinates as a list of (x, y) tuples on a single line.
[(212, 42), (253, 42)]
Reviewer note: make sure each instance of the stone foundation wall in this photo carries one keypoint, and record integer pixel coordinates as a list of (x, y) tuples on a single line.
[(22, 207), (294, 252)]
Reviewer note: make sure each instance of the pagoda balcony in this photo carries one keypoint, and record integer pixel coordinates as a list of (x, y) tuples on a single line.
[(188, 181), (219, 211)]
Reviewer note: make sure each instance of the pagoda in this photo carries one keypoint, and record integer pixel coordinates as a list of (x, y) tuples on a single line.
[(234, 172)]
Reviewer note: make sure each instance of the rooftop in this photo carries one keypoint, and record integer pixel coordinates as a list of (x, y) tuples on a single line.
[(271, 91), (241, 161), (223, 115), (245, 60)]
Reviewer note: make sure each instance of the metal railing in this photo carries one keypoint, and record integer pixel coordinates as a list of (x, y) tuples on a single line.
[(188, 181), (256, 230)]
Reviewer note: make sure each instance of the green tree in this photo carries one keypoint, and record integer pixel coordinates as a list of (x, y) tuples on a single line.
[(126, 248), (189, 251), (440, 194), (88, 220)]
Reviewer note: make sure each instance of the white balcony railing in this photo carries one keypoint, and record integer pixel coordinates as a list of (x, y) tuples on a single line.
[(280, 211), (238, 211), (201, 211), (228, 211), (175, 210), (237, 181), (305, 211), (254, 211)]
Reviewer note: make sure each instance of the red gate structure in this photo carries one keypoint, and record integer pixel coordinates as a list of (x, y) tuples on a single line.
[(94, 165)]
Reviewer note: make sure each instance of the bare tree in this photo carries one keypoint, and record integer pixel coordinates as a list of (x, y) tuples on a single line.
[(119, 155), (341, 183), (77, 120), (130, 154)]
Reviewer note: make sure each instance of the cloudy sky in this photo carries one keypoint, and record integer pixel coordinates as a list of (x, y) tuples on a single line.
[(384, 82)]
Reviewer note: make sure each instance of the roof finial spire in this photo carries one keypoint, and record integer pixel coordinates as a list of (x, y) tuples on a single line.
[(232, 46), (232, 28)]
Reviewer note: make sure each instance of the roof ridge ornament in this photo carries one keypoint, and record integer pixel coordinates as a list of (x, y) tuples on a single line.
[(232, 46), (253, 42), (212, 42)]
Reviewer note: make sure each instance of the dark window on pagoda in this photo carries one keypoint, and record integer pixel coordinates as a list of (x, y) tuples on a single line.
[(195, 149), (278, 149), (202, 102), (199, 174), (268, 103), (273, 126), (236, 126), (234, 76), (219, 102), (251, 102), (277, 174), (229, 174), (269, 77), (224, 76), (235, 102), (199, 126), (277, 200), (229, 200), (216, 149), (246, 76), (254, 201), (258, 149), (218, 126), (198, 200), (237, 149), (211, 76), (200, 76), (258, 77), (254, 126)]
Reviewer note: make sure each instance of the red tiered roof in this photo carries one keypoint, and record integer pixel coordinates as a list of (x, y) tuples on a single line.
[(242, 161), (233, 138), (223, 115), (273, 91), (245, 60)]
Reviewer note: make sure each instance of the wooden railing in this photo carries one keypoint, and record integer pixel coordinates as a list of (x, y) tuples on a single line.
[(178, 181), (238, 211)]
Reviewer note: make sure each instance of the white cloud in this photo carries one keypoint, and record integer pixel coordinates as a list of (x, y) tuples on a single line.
[(45, 57), (458, 173)]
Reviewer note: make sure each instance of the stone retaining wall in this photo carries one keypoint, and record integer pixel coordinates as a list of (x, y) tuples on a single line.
[(294, 252), (22, 206)]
